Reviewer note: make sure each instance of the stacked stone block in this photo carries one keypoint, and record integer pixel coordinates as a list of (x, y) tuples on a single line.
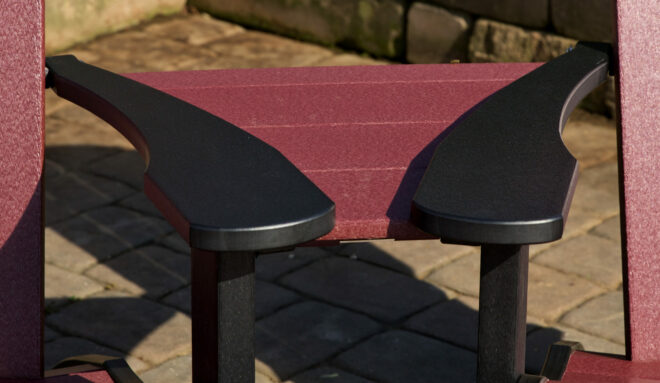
[(374, 26), (435, 31), (420, 32)]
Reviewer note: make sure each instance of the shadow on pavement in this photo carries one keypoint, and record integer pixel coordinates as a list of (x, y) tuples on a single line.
[(352, 312)]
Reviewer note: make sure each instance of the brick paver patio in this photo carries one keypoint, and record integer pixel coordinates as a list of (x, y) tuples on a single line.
[(117, 278)]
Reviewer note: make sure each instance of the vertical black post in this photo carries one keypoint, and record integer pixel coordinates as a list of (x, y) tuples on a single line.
[(223, 316), (502, 313)]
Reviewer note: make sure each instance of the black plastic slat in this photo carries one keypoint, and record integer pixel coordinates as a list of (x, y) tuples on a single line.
[(233, 191), (503, 174)]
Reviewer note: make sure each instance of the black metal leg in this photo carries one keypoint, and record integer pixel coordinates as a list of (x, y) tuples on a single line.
[(502, 313), (223, 316)]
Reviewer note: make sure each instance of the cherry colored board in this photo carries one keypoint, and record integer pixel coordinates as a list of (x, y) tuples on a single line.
[(364, 135), (81, 377), (592, 368), (639, 94), (21, 147)]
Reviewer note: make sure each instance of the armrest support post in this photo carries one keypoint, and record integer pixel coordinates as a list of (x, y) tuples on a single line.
[(502, 313), (223, 286)]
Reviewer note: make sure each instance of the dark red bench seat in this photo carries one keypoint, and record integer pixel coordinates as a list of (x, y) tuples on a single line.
[(363, 135), (98, 376), (584, 367)]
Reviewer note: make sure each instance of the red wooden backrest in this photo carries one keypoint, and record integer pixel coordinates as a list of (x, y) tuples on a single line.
[(22, 151), (638, 34)]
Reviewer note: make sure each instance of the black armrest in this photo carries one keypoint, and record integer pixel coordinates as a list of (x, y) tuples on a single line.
[(222, 188), (503, 175)]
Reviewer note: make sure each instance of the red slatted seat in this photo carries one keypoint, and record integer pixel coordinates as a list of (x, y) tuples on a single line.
[(364, 135), (369, 131), (78, 377)]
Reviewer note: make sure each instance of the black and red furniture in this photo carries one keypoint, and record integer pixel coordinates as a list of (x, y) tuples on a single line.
[(262, 160)]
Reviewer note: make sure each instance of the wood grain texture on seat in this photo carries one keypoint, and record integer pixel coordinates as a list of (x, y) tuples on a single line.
[(593, 368), (638, 27), (22, 151), (364, 135), (97, 376)]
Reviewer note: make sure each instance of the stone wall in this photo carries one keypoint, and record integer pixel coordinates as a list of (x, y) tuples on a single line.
[(69, 22), (434, 31)]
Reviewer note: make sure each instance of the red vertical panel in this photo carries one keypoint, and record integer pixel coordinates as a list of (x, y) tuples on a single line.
[(21, 151), (639, 92)]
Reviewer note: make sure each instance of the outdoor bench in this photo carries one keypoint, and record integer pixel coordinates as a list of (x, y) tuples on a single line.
[(461, 152)]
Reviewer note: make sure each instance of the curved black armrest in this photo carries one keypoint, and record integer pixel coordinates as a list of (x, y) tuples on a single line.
[(503, 175), (221, 188)]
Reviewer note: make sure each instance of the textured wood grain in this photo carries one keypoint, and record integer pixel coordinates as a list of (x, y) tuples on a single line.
[(21, 147), (364, 135), (638, 28)]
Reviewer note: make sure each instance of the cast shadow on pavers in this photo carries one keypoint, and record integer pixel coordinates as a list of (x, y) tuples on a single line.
[(354, 312)]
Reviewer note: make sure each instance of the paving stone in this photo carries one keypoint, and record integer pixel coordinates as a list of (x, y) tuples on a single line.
[(72, 125), (155, 54), (595, 258), (461, 275), (150, 271), (271, 266), (94, 17), (52, 169), (110, 230), (270, 297), (598, 190), (147, 330), (375, 26), (426, 42), (179, 299), (125, 166), (590, 138), (610, 229), (50, 334), (194, 29), (601, 316), (414, 258), (261, 50), (580, 221), (83, 53), (551, 293), (304, 334), (177, 370), (141, 203), (400, 356), (361, 287), (175, 242), (75, 192), (540, 341), (66, 347), (53, 102), (75, 157), (63, 286), (262, 378), (589, 20), (532, 13), (455, 321), (326, 375), (493, 41), (66, 254)]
